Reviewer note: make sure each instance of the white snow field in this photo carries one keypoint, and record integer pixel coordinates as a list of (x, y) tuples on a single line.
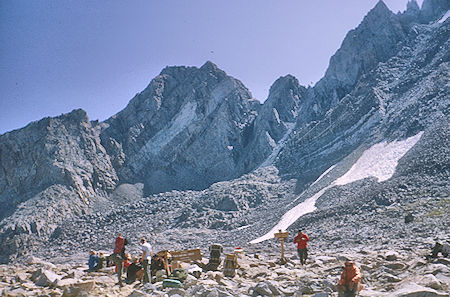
[(379, 161), (154, 145), (444, 18), (277, 147)]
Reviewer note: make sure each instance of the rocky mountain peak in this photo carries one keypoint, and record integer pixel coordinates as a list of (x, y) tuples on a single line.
[(151, 139), (176, 71), (379, 10), (412, 6), (209, 66), (434, 9), (287, 81), (284, 98), (375, 40)]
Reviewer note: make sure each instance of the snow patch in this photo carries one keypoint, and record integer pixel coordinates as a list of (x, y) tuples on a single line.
[(277, 116), (219, 94), (243, 227), (323, 174), (378, 161), (277, 148), (445, 17), (292, 215), (166, 135)]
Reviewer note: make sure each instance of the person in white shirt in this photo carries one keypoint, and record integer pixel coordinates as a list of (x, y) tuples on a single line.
[(146, 257)]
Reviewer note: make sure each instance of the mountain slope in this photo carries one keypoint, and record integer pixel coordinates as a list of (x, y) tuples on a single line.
[(50, 170), (400, 97), (194, 159), (186, 130)]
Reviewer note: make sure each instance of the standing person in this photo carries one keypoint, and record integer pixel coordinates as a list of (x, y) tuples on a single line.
[(118, 256), (350, 283), (302, 242), (119, 247), (146, 257)]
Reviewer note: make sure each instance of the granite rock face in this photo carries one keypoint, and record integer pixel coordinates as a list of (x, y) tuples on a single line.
[(407, 93), (186, 130), (274, 123), (49, 170), (193, 159), (375, 40)]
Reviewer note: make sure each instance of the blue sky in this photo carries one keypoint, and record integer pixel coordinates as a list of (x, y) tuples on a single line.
[(56, 56)]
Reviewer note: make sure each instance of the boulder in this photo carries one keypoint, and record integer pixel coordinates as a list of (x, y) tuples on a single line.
[(137, 293), (44, 278), (415, 290), (21, 277), (74, 273), (148, 287), (391, 256), (266, 288), (65, 282), (396, 265), (261, 289), (324, 259), (38, 261), (79, 289), (177, 293), (429, 280), (19, 292)]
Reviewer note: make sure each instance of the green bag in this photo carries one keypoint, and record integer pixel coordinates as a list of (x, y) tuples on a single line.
[(171, 283)]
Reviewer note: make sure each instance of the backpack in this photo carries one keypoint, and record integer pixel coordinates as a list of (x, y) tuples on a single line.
[(215, 251), (230, 265), (179, 274)]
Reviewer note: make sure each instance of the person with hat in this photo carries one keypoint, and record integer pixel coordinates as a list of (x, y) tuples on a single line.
[(302, 242), (349, 284), (145, 258)]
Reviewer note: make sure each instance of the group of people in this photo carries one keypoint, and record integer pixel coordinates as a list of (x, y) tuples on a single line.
[(96, 262), (135, 267), (349, 284)]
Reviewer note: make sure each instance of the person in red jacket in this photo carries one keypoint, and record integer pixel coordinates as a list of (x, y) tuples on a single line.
[(350, 283), (302, 242), (119, 255), (119, 246)]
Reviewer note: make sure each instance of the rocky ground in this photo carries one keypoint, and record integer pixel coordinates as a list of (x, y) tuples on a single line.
[(400, 272)]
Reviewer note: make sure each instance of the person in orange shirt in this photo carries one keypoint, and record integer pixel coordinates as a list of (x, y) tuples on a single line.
[(350, 283), (302, 242)]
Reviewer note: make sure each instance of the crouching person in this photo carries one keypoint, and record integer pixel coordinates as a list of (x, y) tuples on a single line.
[(93, 262), (350, 283), (134, 271)]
